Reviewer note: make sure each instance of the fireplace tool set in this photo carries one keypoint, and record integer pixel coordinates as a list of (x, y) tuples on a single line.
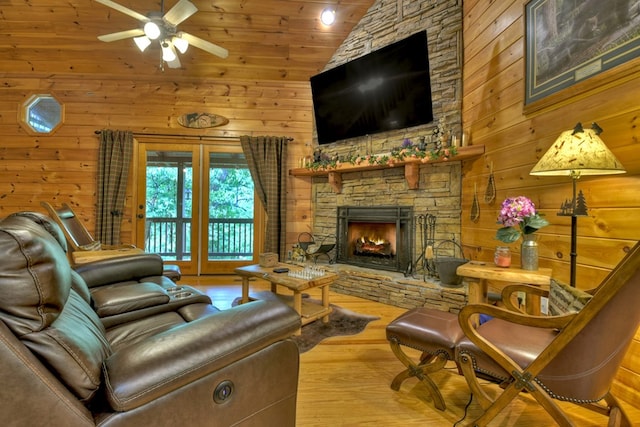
[(430, 262), (425, 226)]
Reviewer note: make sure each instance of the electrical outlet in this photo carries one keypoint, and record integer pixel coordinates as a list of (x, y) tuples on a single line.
[(522, 298), (544, 305)]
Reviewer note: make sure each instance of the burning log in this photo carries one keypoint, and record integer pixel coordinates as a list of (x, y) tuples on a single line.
[(366, 246)]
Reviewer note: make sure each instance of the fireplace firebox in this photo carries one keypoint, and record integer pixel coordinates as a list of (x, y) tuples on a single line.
[(375, 237)]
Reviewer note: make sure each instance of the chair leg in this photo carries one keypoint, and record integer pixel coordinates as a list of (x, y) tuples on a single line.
[(428, 364), (493, 407), (617, 415), (466, 366), (552, 408)]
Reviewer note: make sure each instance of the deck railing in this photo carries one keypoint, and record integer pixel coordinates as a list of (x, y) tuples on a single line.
[(228, 238)]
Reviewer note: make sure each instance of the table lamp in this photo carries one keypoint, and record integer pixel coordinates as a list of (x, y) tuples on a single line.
[(575, 153)]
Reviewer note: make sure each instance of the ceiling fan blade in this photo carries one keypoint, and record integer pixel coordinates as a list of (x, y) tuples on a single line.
[(175, 63), (125, 10), (121, 35), (205, 45), (179, 12)]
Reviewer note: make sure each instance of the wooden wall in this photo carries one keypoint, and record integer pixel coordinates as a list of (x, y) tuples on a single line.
[(493, 79), (63, 167)]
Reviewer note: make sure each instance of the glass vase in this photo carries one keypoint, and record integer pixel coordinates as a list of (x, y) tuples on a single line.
[(529, 252)]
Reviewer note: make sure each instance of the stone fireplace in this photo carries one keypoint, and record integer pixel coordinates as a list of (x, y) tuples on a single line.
[(379, 206), (375, 237), (438, 187)]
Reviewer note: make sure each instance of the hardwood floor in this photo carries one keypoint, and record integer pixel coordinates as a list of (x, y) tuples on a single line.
[(344, 381)]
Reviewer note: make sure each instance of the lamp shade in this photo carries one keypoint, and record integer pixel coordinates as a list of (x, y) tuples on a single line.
[(168, 52), (142, 42), (181, 44), (578, 152)]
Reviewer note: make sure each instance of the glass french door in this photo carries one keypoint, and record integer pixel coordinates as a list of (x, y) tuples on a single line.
[(195, 206)]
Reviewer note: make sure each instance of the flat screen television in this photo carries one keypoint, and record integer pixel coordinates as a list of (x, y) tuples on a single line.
[(384, 90)]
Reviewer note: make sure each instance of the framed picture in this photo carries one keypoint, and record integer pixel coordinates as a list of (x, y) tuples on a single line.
[(569, 43)]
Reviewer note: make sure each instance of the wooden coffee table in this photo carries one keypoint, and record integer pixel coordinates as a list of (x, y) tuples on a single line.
[(308, 310)]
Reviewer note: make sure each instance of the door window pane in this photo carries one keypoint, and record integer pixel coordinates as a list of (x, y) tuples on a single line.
[(231, 215), (169, 204)]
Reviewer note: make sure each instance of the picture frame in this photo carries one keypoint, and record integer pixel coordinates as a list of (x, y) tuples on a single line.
[(574, 47)]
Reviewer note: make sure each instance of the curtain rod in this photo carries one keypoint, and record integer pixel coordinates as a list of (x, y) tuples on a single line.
[(177, 135)]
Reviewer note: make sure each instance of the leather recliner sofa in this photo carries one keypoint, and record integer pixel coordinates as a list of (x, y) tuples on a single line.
[(134, 286), (181, 362)]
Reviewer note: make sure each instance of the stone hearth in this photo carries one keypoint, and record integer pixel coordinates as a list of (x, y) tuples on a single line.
[(395, 289)]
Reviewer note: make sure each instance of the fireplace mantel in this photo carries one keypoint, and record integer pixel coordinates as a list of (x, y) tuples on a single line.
[(411, 168)]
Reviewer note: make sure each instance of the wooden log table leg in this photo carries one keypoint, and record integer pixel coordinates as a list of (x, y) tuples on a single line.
[(325, 303), (478, 292), (245, 290), (297, 306)]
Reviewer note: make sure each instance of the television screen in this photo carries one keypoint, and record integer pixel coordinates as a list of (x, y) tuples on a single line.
[(384, 90)]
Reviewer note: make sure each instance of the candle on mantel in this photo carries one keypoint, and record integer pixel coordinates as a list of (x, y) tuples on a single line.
[(502, 256)]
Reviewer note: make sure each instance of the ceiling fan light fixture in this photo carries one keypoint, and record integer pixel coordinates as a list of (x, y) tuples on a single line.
[(181, 44), (142, 42), (168, 52), (152, 30), (162, 27), (328, 16)]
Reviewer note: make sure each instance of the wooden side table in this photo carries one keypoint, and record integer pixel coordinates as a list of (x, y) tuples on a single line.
[(477, 275)]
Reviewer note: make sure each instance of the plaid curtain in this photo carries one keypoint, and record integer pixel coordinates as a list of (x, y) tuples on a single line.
[(267, 160), (116, 148)]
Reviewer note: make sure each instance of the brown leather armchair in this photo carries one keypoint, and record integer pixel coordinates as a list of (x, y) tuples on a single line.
[(187, 364), (572, 357)]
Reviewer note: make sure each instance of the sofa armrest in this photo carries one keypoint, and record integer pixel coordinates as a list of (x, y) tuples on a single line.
[(120, 269), (111, 300), (144, 371)]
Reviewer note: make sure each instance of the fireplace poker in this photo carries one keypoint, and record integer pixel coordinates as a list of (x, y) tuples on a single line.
[(418, 227), (422, 219), (431, 241)]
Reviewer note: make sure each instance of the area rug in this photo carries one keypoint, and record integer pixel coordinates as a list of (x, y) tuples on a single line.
[(341, 322)]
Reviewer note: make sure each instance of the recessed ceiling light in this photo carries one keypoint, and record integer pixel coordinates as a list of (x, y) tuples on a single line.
[(328, 16)]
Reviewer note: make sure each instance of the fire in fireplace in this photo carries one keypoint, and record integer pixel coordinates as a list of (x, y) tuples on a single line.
[(375, 237)]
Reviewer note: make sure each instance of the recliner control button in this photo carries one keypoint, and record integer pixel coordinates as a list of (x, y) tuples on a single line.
[(223, 391)]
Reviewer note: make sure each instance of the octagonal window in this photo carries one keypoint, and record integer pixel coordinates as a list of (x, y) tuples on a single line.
[(42, 114)]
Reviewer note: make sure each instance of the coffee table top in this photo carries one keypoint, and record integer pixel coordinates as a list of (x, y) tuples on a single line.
[(284, 279)]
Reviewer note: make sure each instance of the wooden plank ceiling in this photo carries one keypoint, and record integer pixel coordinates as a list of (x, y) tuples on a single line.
[(267, 39)]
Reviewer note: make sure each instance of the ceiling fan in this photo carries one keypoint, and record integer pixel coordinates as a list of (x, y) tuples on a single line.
[(163, 27)]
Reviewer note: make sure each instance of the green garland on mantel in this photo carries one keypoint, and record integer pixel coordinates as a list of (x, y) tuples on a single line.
[(408, 150)]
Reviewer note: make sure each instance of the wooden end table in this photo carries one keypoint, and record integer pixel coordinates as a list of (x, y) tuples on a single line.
[(307, 310), (477, 274)]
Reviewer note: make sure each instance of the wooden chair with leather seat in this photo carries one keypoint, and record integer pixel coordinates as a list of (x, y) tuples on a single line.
[(84, 248), (572, 357)]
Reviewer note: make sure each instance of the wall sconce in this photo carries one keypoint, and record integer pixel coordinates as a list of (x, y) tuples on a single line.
[(575, 153)]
